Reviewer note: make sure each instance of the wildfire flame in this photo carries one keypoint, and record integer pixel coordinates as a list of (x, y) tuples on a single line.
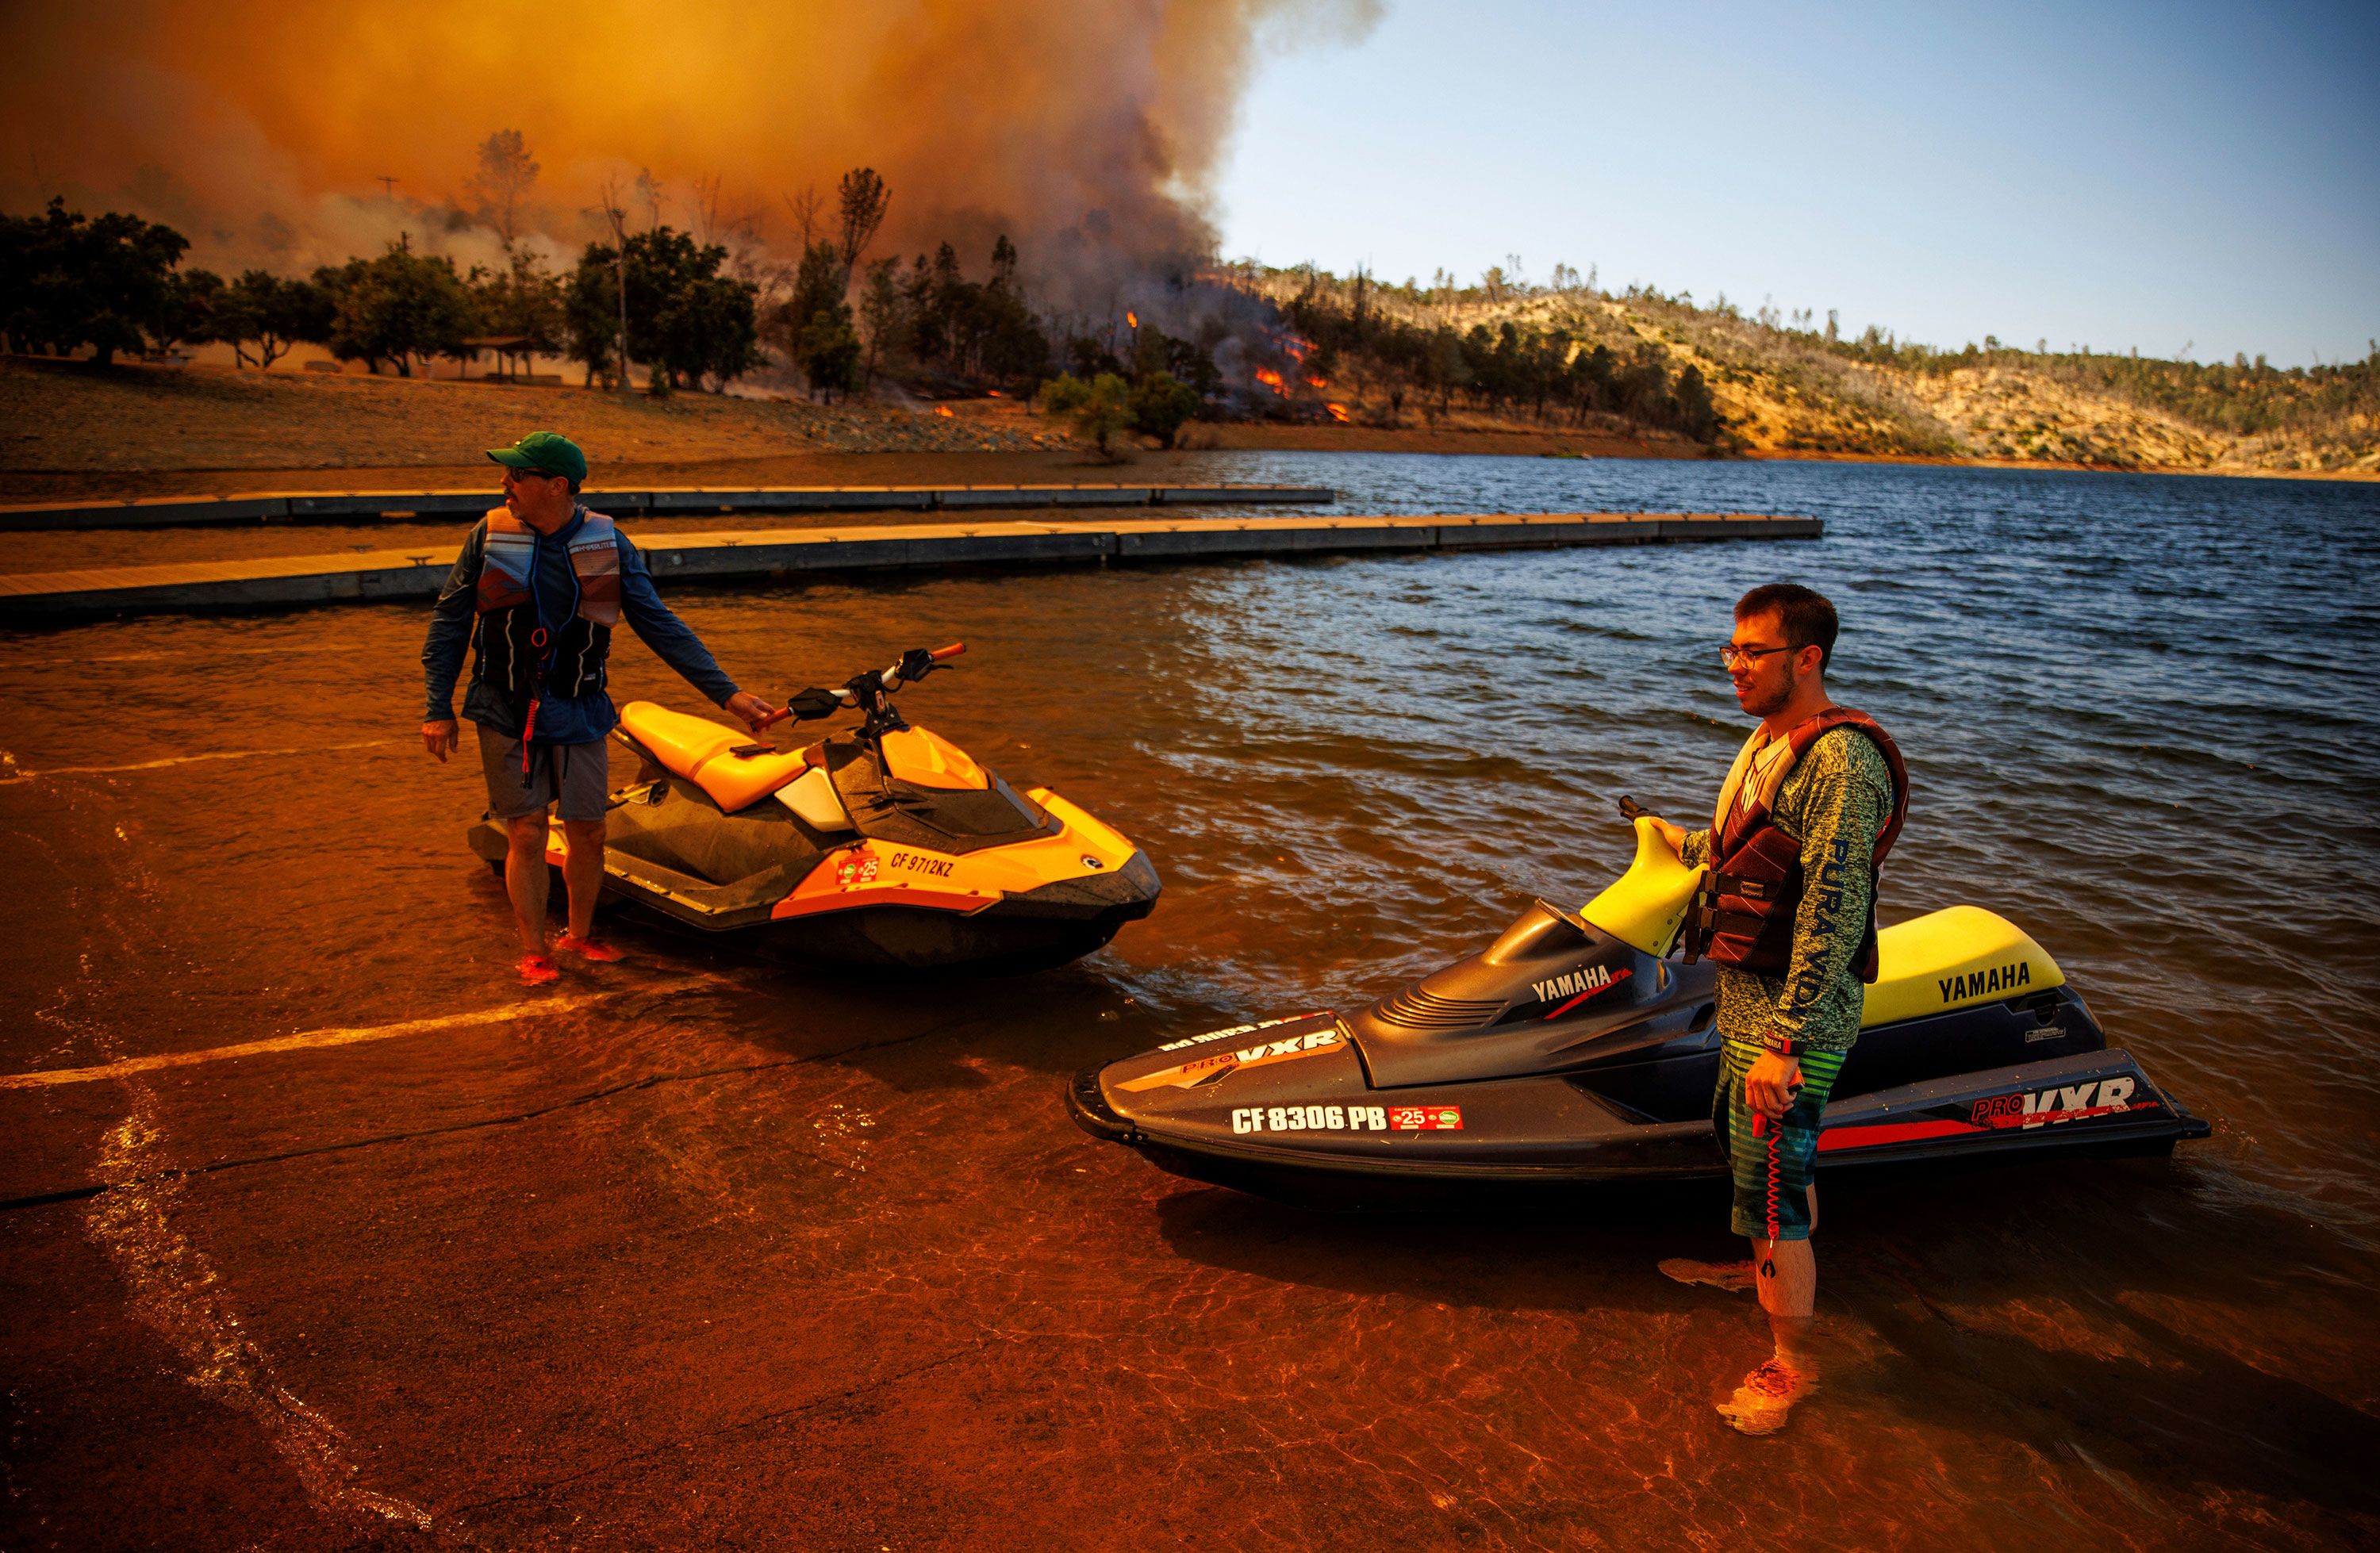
[(995, 393), (1337, 412), (1272, 380), (1132, 317), (943, 409), (1298, 349), (1316, 382)]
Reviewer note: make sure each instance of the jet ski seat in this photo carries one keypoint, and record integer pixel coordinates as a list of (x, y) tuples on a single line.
[(1951, 958), (1947, 959), (722, 761)]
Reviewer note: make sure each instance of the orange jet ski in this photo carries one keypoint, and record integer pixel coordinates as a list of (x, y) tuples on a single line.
[(887, 846)]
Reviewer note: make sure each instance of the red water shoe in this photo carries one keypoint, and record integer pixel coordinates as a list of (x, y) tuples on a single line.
[(587, 948), (536, 970), (1768, 1395)]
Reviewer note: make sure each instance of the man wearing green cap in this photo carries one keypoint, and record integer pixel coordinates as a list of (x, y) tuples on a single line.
[(537, 590)]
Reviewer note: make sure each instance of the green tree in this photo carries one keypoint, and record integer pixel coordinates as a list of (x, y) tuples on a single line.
[(269, 314), (685, 319), (884, 316), (590, 314), (402, 305), (1698, 417), (524, 300), (1160, 404), (828, 351), (190, 310), (71, 281), (818, 287), (1099, 410)]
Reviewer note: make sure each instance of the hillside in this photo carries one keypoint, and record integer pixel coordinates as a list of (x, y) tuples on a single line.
[(1787, 390)]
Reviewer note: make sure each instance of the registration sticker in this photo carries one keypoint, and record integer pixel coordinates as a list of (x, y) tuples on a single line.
[(1425, 1118)]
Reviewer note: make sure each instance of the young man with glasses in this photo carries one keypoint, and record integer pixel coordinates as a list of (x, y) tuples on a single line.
[(547, 580), (1812, 805)]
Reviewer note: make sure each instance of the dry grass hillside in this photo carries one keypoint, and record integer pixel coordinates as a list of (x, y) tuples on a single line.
[(1787, 390), (57, 415)]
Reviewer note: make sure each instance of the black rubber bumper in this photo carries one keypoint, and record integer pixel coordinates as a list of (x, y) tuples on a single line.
[(1089, 1106), (1125, 895)]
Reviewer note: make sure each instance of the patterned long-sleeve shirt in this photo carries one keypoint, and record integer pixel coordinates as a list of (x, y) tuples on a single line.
[(1831, 804)]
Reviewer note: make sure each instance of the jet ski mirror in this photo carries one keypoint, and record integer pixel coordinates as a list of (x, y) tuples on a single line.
[(916, 663), (870, 692), (809, 705)]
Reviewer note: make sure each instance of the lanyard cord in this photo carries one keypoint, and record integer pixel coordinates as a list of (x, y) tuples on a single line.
[(543, 641)]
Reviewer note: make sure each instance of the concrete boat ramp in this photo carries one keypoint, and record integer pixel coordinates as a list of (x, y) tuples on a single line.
[(781, 553), (346, 506)]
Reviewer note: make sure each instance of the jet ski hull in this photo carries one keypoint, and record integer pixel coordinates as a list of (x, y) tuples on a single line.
[(900, 851), (1564, 1057), (1552, 1133), (1018, 933)]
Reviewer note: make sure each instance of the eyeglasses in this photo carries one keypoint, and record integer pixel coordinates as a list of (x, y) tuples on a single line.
[(1730, 655)]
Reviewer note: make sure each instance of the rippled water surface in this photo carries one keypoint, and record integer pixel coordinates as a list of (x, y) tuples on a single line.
[(2139, 720)]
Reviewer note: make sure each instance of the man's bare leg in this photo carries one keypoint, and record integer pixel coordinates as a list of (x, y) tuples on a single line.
[(1786, 1277), (525, 879), (582, 872)]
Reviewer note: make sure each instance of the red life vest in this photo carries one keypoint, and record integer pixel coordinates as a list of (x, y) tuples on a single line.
[(1743, 913)]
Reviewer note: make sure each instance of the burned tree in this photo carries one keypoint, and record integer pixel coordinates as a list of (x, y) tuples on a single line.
[(507, 173), (863, 200)]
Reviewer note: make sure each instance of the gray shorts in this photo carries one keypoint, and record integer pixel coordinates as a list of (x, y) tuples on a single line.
[(578, 775)]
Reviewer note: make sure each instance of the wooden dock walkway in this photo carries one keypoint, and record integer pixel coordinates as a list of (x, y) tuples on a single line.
[(338, 506), (781, 554)]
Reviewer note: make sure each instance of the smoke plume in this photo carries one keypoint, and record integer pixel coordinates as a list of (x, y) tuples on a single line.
[(264, 129)]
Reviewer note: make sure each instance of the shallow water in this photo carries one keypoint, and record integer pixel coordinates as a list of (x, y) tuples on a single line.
[(2138, 719)]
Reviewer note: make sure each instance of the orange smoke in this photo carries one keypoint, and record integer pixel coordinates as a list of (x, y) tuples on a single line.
[(263, 128), (1272, 380)]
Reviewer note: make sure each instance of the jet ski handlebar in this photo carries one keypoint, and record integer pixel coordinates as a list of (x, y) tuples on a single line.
[(867, 690)]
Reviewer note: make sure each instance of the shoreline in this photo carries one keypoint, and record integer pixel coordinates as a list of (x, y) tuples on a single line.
[(1001, 468), (1948, 461), (141, 431)]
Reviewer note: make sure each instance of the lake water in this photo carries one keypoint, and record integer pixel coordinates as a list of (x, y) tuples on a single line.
[(2140, 720)]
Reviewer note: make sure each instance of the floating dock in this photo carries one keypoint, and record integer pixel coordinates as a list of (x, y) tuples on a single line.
[(277, 582), (346, 506)]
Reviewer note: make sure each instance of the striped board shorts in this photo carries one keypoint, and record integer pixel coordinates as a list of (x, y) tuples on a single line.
[(1772, 1172)]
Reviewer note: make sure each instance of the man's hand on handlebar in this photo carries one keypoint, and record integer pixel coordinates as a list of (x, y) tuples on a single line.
[(440, 738), (758, 711), (1630, 810)]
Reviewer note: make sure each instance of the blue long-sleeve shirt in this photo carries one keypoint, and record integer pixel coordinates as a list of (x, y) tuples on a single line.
[(560, 719)]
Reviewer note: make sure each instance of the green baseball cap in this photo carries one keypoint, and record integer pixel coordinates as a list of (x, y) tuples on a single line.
[(544, 453)]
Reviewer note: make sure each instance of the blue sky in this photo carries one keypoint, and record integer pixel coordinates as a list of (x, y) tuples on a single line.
[(2092, 173)]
